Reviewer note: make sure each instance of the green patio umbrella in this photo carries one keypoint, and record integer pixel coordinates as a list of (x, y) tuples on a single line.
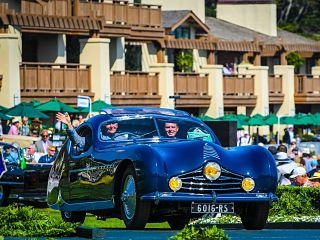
[(256, 121), (243, 119), (316, 119), (55, 105), (298, 119), (4, 117), (231, 117), (25, 110), (271, 119), (3, 108), (206, 118), (97, 106), (35, 102)]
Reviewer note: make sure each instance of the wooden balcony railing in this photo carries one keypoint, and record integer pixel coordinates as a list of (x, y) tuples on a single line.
[(238, 90), (54, 78), (307, 89), (116, 12), (47, 8), (134, 83), (135, 88), (275, 83), (190, 84), (238, 85), (121, 12), (192, 89), (276, 95), (305, 84)]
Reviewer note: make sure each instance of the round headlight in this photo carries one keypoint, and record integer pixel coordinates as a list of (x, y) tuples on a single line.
[(248, 184), (175, 184), (212, 171)]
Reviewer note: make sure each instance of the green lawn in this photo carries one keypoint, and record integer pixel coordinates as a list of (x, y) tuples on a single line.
[(91, 221)]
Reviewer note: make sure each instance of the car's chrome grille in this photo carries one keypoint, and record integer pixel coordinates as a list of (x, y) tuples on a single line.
[(196, 182)]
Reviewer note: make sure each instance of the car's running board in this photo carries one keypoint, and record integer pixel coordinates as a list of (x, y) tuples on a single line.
[(83, 206)]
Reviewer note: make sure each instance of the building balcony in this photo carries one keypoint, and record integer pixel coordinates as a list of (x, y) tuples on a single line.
[(238, 90), (116, 18), (135, 88), (192, 89), (43, 81), (307, 89), (276, 95)]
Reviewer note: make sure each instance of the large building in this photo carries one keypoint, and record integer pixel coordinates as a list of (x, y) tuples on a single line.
[(145, 53)]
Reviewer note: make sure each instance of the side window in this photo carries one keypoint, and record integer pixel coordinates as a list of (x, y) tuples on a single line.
[(85, 140)]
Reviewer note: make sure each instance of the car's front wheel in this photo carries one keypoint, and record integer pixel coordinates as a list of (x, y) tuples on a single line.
[(254, 215), (134, 212), (3, 195), (73, 217)]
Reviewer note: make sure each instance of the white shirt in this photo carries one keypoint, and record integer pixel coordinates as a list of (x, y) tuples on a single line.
[(245, 140)]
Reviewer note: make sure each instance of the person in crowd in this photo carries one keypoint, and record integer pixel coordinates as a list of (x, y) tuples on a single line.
[(81, 119), (308, 159), (282, 148), (44, 142), (14, 129), (314, 167), (35, 127), (245, 139), (1, 130), (299, 161), (288, 135), (50, 157), (300, 178), (24, 128), (75, 123), (31, 155), (226, 69), (59, 126), (171, 129)]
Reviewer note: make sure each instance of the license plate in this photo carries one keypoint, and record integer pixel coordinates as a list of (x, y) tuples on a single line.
[(212, 208)]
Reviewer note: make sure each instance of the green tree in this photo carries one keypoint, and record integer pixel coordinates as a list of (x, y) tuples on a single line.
[(295, 59), (184, 60)]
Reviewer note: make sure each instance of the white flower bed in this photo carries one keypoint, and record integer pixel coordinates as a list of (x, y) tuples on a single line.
[(226, 219)]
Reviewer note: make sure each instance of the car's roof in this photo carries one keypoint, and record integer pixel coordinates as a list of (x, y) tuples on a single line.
[(117, 111)]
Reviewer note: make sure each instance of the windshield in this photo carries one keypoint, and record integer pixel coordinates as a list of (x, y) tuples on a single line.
[(133, 128)]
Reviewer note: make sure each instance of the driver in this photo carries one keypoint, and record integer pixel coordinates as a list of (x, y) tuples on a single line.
[(171, 129), (111, 130)]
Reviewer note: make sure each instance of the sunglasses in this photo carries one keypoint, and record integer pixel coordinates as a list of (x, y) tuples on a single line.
[(45, 135)]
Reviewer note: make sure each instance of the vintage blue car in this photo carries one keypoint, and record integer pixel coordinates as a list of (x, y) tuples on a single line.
[(145, 173)]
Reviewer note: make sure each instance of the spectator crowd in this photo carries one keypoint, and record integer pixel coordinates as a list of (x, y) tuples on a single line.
[(41, 151)]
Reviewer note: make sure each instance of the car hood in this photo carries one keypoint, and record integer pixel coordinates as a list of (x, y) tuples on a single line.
[(184, 156)]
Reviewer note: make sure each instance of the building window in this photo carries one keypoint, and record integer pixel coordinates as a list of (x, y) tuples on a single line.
[(182, 33), (133, 58)]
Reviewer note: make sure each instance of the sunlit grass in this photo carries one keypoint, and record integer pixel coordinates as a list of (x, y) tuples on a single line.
[(92, 222)]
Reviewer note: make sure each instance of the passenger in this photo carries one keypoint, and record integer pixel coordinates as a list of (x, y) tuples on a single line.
[(44, 142), (171, 129), (50, 157), (31, 155), (73, 135), (10, 155), (111, 131)]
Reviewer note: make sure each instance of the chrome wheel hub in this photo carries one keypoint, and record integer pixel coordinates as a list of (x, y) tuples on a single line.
[(128, 197)]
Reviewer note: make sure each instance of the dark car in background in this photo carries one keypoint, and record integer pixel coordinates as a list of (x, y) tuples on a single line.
[(141, 175), (16, 184)]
